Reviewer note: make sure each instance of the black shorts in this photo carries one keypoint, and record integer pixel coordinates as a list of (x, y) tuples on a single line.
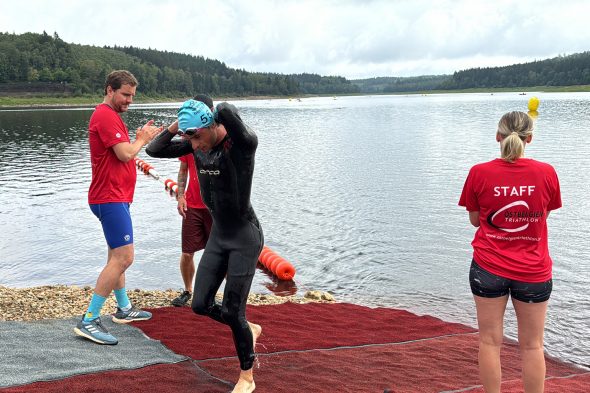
[(486, 284), (196, 228)]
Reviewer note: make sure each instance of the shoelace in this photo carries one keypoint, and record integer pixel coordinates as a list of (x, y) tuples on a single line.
[(98, 323)]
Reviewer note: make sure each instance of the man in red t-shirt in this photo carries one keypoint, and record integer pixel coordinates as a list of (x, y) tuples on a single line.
[(196, 219), (110, 194)]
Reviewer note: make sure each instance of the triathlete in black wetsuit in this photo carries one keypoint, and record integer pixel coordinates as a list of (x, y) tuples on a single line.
[(224, 151)]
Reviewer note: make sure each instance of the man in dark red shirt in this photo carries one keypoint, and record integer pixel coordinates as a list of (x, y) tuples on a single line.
[(110, 194), (196, 219)]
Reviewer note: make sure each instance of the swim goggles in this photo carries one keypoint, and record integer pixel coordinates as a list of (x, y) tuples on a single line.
[(189, 131)]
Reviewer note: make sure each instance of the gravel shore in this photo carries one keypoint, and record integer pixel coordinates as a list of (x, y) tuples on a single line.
[(63, 301)]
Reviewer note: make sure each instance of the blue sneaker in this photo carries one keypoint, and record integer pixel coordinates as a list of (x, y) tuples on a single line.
[(95, 331), (133, 314)]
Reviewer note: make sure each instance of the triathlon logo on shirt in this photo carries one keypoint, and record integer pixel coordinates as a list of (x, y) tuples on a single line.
[(118, 135), (515, 216)]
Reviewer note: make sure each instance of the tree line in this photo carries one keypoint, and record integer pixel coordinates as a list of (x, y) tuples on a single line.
[(559, 71), (569, 70), (46, 64), (386, 85)]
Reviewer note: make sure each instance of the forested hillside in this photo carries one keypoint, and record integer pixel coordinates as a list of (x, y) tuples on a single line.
[(569, 70), (386, 85), (44, 64), (560, 71)]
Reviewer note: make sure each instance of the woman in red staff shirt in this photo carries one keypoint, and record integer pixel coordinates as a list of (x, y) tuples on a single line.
[(509, 200)]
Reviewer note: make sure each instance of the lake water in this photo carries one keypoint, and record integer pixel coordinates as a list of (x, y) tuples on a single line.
[(359, 193)]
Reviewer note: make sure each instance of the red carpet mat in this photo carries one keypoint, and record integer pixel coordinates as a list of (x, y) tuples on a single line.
[(307, 348), (579, 383), (435, 365), (293, 326), (182, 377)]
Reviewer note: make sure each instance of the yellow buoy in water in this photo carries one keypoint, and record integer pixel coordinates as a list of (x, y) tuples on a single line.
[(533, 114), (534, 104)]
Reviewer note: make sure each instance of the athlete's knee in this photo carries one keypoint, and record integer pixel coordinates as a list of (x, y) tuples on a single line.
[(186, 257), (123, 260), (200, 307), (530, 344), (127, 262), (232, 317), (493, 340)]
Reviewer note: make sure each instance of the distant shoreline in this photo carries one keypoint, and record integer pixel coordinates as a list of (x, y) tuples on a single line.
[(53, 102), (49, 102)]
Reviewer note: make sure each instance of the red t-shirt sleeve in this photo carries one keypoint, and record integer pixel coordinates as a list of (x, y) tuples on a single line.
[(555, 202), (468, 196), (112, 129)]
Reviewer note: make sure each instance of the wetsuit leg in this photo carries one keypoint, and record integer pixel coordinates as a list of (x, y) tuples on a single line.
[(235, 298), (210, 274), (240, 272), (233, 255)]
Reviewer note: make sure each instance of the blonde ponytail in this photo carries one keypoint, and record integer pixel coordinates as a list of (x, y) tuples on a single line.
[(514, 128)]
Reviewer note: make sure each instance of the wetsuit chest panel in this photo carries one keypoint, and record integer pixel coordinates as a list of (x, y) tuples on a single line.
[(224, 175)]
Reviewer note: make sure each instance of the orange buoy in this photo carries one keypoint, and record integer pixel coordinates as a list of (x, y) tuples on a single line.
[(273, 261), (284, 271), (265, 254), (265, 250), (265, 259), (276, 264)]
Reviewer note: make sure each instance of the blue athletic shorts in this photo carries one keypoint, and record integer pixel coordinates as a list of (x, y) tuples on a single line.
[(116, 222), (486, 284)]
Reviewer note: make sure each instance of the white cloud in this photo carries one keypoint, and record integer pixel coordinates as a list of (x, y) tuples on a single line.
[(350, 38)]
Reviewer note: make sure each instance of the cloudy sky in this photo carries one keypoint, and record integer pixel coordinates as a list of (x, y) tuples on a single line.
[(350, 38)]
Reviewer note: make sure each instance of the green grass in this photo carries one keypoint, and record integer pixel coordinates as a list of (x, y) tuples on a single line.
[(31, 101), (26, 101)]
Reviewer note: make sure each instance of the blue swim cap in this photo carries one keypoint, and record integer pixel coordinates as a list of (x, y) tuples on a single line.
[(194, 114)]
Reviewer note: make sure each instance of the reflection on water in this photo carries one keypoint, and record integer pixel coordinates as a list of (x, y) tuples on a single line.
[(359, 193), (276, 286)]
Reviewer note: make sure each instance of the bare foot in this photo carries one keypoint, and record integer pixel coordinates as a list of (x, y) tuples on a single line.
[(256, 332), (245, 383)]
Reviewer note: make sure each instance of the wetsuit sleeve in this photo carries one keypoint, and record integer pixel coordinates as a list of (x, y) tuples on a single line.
[(242, 135), (164, 147)]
